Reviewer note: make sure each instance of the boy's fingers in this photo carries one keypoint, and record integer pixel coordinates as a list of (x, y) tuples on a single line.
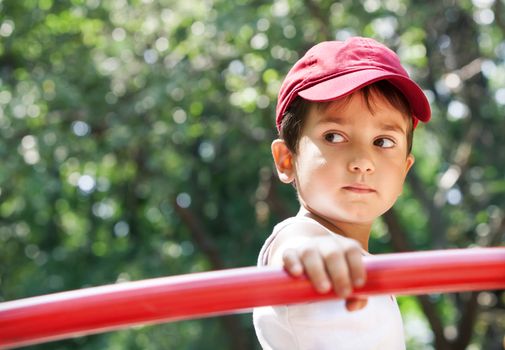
[(315, 270), (292, 262), (357, 271), (338, 270)]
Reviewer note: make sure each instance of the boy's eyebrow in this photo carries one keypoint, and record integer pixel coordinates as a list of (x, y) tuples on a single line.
[(332, 119), (392, 127), (383, 126)]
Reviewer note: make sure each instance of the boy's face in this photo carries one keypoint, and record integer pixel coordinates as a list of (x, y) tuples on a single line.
[(350, 164)]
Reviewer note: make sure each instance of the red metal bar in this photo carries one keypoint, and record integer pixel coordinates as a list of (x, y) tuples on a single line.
[(99, 309)]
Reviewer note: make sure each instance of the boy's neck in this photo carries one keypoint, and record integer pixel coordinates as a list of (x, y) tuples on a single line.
[(358, 232)]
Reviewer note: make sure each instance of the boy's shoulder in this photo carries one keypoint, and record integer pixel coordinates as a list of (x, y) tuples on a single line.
[(287, 229), (299, 226), (290, 233)]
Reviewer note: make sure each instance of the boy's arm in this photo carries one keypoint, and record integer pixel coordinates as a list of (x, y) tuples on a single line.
[(329, 261)]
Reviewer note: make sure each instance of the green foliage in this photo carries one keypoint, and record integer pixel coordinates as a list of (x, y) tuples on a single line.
[(115, 115)]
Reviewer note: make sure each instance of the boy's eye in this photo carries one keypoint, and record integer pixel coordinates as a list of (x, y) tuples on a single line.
[(384, 142), (334, 137)]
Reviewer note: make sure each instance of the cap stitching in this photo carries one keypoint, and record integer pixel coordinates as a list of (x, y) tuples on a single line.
[(369, 50)]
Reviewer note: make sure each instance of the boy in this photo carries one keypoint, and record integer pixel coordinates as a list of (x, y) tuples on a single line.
[(345, 114)]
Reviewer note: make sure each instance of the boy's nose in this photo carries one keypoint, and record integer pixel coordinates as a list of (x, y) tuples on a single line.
[(361, 165)]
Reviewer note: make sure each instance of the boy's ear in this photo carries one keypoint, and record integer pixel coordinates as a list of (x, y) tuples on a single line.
[(409, 162), (283, 159)]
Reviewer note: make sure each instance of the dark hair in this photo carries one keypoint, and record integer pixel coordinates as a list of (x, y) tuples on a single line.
[(294, 117)]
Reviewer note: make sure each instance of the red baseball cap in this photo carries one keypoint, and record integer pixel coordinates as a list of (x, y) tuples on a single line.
[(334, 69)]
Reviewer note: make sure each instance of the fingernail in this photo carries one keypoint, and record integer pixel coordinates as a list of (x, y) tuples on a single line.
[(296, 269), (324, 286), (359, 282)]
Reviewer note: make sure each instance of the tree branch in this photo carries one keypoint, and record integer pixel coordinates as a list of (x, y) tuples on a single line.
[(436, 221), (400, 244), (200, 236), (398, 236), (498, 15), (437, 327), (205, 244), (274, 201), (467, 322), (316, 12)]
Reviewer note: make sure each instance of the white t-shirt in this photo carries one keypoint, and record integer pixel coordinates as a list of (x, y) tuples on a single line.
[(327, 325)]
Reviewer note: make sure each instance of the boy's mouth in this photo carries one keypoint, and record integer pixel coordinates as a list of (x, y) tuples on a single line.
[(359, 188)]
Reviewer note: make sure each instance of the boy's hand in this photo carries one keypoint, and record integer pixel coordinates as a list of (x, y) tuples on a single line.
[(329, 263)]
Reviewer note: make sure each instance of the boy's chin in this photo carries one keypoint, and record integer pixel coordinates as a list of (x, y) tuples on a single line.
[(358, 213), (356, 218), (361, 217)]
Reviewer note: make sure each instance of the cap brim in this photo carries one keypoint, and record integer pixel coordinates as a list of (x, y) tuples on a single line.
[(346, 84)]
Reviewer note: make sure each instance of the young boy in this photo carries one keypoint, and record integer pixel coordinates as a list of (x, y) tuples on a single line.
[(345, 114)]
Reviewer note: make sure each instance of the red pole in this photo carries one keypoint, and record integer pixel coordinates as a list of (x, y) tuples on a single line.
[(99, 309)]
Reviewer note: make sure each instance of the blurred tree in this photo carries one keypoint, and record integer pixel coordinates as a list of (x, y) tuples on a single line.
[(135, 141)]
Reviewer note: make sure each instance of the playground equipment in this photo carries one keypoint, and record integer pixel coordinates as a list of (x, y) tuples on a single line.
[(105, 308)]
